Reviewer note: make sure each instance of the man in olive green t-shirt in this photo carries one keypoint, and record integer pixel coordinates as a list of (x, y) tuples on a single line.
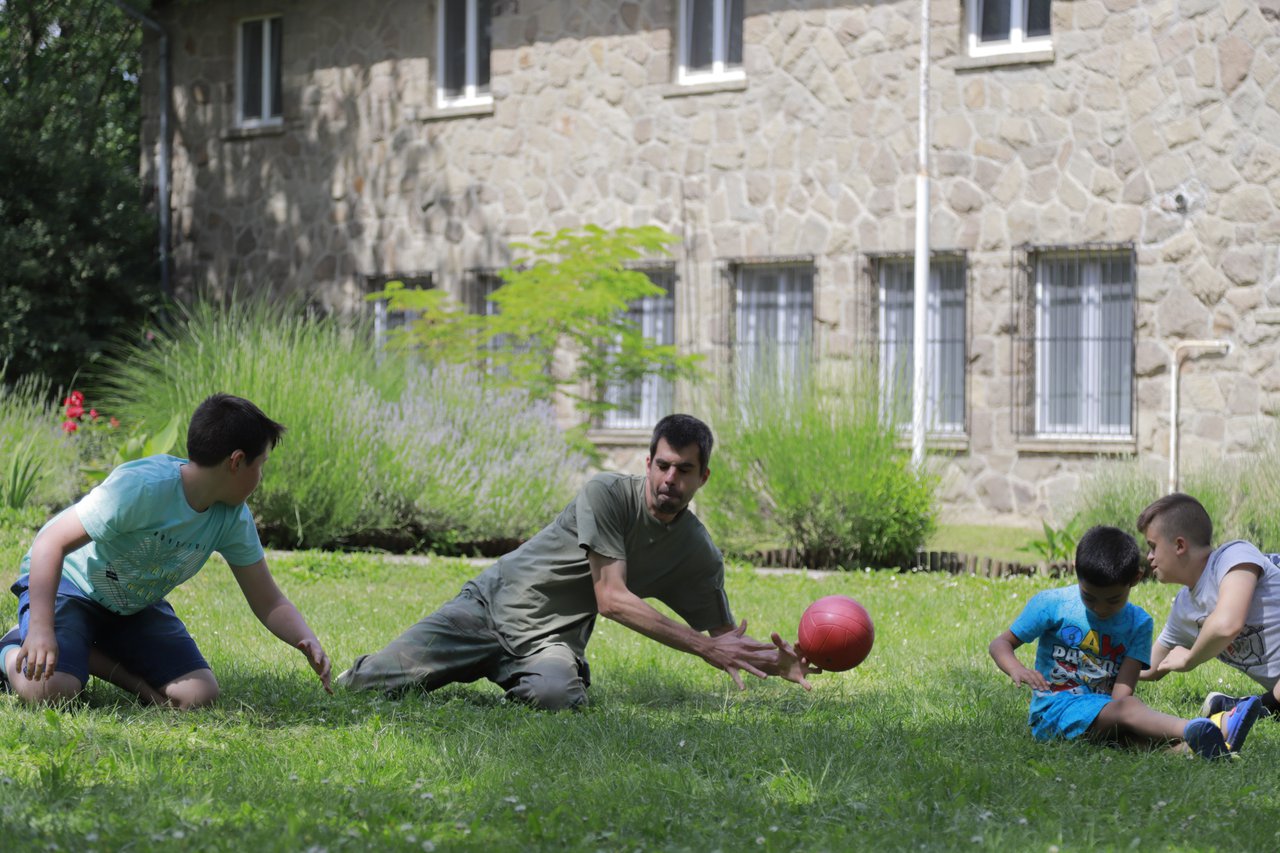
[(524, 622)]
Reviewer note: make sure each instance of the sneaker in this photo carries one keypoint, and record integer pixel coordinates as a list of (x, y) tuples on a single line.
[(1205, 738), (1216, 703), (1235, 724), (4, 672)]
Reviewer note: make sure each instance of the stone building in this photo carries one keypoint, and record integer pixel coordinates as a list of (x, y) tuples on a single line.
[(1105, 185)]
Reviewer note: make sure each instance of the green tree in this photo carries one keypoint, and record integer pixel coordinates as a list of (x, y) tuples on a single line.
[(561, 325), (78, 246)]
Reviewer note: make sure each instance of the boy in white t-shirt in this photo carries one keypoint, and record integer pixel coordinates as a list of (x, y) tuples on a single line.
[(91, 589), (1229, 609)]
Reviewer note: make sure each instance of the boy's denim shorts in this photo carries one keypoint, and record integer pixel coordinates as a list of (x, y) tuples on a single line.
[(153, 644)]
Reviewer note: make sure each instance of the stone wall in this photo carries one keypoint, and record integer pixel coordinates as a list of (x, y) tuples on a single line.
[(1152, 123)]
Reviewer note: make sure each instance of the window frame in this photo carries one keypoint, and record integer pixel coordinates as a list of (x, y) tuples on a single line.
[(271, 84), (721, 69), (656, 397), (938, 339), (802, 357), (386, 321), (1017, 42), (1100, 351), (474, 92)]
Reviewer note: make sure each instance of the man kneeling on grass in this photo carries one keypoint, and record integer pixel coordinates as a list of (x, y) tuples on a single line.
[(524, 622), (1092, 645)]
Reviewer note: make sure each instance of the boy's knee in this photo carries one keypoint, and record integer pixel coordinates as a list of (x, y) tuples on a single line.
[(194, 690), (59, 688)]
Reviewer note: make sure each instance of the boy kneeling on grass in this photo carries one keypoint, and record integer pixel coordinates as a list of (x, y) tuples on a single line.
[(1092, 645), (1229, 607), (91, 589)]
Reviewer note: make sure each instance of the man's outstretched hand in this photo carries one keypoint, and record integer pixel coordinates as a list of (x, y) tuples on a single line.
[(734, 651), (790, 664)]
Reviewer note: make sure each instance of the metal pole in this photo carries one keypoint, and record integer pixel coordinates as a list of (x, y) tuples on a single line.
[(919, 312)]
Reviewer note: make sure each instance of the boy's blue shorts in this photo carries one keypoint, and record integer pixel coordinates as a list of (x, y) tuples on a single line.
[(153, 644), (1064, 715)]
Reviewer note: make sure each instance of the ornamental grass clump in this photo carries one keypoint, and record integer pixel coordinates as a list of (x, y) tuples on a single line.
[(40, 467), (813, 465), (380, 449), (474, 461)]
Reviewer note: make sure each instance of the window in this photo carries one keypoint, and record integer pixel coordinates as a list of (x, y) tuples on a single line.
[(386, 321), (710, 40), (1007, 26), (258, 75), (1079, 357), (465, 27), (945, 341), (774, 324), (644, 401)]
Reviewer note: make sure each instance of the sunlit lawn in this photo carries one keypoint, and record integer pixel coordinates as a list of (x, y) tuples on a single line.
[(922, 747)]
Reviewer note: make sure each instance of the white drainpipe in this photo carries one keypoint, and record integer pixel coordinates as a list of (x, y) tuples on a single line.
[(1180, 350)]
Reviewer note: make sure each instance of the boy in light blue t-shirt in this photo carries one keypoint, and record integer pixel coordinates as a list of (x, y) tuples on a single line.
[(91, 589), (1092, 645)]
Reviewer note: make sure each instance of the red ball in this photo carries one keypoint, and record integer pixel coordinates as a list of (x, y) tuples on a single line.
[(836, 633)]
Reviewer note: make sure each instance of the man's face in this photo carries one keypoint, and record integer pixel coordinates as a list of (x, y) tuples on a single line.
[(1162, 551), (1104, 601), (673, 477)]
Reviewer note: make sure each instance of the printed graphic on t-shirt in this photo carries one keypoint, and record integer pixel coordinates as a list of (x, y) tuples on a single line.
[(1084, 662), (146, 573), (1249, 648)]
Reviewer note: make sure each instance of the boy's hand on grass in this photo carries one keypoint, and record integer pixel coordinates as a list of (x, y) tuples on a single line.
[(38, 657), (318, 659), (1029, 677), (1176, 660), (791, 664)]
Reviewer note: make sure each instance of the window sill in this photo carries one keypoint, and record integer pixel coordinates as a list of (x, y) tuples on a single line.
[(1038, 56), (620, 437), (706, 87), (254, 132), (942, 442), (1125, 446), (451, 112)]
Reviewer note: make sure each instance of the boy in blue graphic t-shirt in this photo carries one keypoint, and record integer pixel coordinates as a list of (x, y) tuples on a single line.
[(91, 589), (1092, 643)]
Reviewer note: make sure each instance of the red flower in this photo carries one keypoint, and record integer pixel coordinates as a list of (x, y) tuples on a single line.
[(74, 410), (76, 399), (93, 414), (115, 422), (70, 426)]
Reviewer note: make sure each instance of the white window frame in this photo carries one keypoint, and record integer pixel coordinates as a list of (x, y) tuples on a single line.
[(1018, 41), (1096, 357), (721, 69), (474, 92), (654, 395), (788, 340), (943, 319), (384, 319), (270, 74)]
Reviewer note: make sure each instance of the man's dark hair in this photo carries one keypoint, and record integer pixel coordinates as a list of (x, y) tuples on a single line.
[(1107, 556), (680, 431), (1179, 515), (223, 424)]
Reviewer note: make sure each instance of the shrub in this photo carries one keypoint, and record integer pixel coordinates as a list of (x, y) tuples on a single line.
[(376, 452), (815, 466), (40, 466), (475, 461)]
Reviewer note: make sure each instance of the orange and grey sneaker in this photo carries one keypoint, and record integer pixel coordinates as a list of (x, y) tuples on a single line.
[(1236, 722)]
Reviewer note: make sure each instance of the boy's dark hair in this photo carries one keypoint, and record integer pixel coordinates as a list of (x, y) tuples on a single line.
[(1107, 556), (680, 431), (1179, 515), (223, 424)]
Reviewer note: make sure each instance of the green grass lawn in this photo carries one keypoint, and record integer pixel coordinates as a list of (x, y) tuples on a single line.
[(924, 746)]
